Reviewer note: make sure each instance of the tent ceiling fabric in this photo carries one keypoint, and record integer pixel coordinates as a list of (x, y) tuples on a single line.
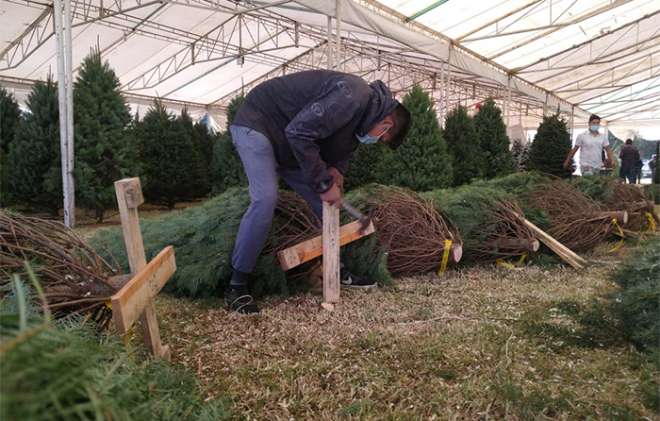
[(532, 56)]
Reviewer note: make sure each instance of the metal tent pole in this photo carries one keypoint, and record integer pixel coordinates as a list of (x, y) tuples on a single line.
[(71, 205), (65, 99)]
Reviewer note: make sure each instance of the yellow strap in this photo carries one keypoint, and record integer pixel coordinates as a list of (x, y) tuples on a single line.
[(108, 304), (652, 226), (508, 265), (620, 234), (522, 258), (445, 257)]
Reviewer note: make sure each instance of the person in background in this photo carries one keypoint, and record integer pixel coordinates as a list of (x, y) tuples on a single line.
[(592, 143), (629, 162)]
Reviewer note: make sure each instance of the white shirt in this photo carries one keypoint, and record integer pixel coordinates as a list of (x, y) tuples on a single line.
[(591, 148)]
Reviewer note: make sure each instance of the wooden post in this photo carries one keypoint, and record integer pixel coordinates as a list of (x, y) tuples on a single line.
[(129, 197), (330, 254)]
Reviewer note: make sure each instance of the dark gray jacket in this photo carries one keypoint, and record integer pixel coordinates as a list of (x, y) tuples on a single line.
[(311, 118)]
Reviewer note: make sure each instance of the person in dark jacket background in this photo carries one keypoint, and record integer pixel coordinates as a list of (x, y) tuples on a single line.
[(303, 127), (629, 162)]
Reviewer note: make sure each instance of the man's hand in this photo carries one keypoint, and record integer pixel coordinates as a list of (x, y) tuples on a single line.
[(332, 196), (567, 164), (337, 177)]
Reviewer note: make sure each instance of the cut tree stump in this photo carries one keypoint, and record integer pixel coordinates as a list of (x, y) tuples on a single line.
[(135, 298)]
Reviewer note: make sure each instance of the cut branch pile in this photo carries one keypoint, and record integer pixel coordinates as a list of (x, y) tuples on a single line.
[(575, 220), (412, 231), (74, 277)]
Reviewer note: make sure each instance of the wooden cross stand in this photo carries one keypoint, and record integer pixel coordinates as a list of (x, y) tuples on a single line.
[(135, 298), (328, 245)]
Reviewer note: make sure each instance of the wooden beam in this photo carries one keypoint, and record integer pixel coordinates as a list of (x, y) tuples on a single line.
[(310, 249), (130, 301), (562, 251), (331, 247), (127, 202)]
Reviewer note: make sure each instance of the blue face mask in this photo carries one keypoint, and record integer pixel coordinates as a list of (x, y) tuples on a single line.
[(367, 139), (594, 127)]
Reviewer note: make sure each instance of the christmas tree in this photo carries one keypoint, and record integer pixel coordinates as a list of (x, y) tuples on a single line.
[(200, 170), (227, 168), (520, 154), (422, 161), (550, 147), (101, 118), (364, 166), (493, 140), (34, 166), (167, 155), (464, 147), (9, 120)]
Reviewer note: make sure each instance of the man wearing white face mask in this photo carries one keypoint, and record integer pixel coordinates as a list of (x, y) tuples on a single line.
[(303, 127), (592, 143)]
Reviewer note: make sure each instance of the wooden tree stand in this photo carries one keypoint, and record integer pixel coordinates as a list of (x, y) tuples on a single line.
[(328, 245), (135, 298)]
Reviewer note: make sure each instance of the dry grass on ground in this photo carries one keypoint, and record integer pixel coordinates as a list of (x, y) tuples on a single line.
[(481, 343)]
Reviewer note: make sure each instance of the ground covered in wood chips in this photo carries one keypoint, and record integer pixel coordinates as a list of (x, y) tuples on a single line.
[(480, 343)]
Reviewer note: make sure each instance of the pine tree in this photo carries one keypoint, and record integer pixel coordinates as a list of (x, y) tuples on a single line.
[(9, 120), (550, 147), (364, 166), (493, 140), (200, 170), (520, 154), (227, 168), (35, 177), (101, 118), (167, 156), (464, 147), (422, 161)]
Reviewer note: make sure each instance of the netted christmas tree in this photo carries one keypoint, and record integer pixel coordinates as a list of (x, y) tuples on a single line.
[(464, 147), (167, 155), (422, 161), (493, 140), (520, 154), (200, 182), (35, 177), (101, 118), (9, 120), (551, 145), (227, 168)]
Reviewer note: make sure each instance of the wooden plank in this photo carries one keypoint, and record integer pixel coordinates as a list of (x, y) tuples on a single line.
[(130, 225), (330, 253), (130, 301), (562, 251)]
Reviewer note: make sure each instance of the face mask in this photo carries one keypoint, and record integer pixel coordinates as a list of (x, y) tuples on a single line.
[(367, 139), (594, 127)]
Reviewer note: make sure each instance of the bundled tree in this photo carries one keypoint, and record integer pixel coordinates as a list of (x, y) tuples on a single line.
[(422, 161), (226, 168), (464, 147), (101, 117), (550, 147), (167, 155), (200, 170), (520, 154), (493, 140), (9, 120), (34, 165)]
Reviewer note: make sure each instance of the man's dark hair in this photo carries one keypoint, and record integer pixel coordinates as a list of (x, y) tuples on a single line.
[(593, 117), (402, 123), (628, 141)]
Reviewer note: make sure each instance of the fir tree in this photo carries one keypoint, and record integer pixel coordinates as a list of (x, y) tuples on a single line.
[(34, 166), (520, 154), (227, 168), (464, 147), (167, 156), (200, 170), (550, 147), (101, 117), (421, 162), (364, 166), (493, 140), (9, 120)]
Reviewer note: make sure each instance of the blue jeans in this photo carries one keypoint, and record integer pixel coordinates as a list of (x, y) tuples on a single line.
[(262, 172)]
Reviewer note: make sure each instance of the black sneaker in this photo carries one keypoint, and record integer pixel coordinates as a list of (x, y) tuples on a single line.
[(240, 301), (350, 280)]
